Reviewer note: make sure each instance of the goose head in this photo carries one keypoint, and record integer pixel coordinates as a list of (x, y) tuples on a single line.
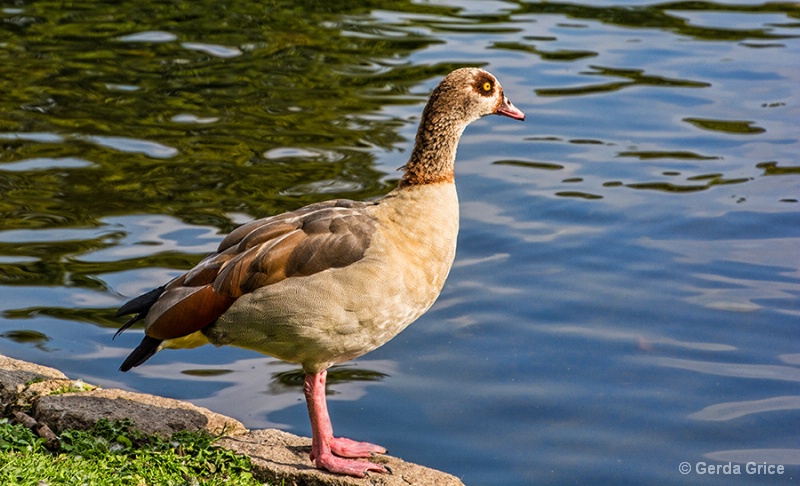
[(461, 97), (467, 94)]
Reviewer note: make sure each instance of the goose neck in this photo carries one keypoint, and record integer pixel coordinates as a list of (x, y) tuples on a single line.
[(433, 158)]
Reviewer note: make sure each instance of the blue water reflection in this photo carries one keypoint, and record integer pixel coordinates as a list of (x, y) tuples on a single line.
[(626, 292)]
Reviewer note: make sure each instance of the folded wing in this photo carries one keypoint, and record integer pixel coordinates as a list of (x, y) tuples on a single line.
[(333, 234)]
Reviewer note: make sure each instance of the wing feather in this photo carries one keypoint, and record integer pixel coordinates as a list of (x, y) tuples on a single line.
[(183, 310), (264, 252)]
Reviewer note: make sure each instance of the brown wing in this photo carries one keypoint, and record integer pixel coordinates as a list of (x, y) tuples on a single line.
[(312, 239)]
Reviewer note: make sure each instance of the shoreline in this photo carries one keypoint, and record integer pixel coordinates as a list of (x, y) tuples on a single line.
[(56, 402)]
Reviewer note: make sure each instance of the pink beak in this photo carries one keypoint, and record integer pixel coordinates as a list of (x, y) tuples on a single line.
[(506, 108)]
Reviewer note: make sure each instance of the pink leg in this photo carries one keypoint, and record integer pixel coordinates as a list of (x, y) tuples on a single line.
[(327, 451)]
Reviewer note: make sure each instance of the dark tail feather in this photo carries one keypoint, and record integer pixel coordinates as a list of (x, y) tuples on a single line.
[(128, 324), (138, 306), (142, 353), (141, 304)]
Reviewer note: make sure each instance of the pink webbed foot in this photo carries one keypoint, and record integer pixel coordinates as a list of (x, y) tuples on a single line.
[(351, 467), (344, 447)]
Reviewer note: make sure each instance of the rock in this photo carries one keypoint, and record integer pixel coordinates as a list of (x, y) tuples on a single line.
[(16, 376), (11, 365), (51, 440), (277, 457), (32, 391), (150, 414), (282, 458)]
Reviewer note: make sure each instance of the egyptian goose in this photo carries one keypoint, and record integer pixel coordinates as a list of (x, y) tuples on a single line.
[(329, 282)]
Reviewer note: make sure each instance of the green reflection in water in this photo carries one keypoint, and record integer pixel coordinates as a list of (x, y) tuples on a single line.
[(579, 195), (25, 336), (531, 164), (679, 155), (635, 77), (727, 126), (555, 55), (667, 16), (178, 119), (710, 181), (772, 168), (100, 316)]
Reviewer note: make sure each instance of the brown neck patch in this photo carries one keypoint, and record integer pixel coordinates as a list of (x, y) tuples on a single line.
[(416, 178)]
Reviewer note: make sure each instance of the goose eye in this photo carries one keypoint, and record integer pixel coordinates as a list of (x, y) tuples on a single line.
[(487, 86)]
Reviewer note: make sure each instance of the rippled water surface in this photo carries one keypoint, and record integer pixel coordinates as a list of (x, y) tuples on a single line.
[(626, 292)]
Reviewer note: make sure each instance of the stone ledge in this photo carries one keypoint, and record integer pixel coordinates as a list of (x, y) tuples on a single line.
[(17, 376), (283, 458), (150, 414), (277, 457)]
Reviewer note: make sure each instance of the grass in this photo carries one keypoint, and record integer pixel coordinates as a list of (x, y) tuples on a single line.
[(115, 453)]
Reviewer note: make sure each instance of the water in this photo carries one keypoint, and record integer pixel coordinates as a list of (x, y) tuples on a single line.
[(627, 286)]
